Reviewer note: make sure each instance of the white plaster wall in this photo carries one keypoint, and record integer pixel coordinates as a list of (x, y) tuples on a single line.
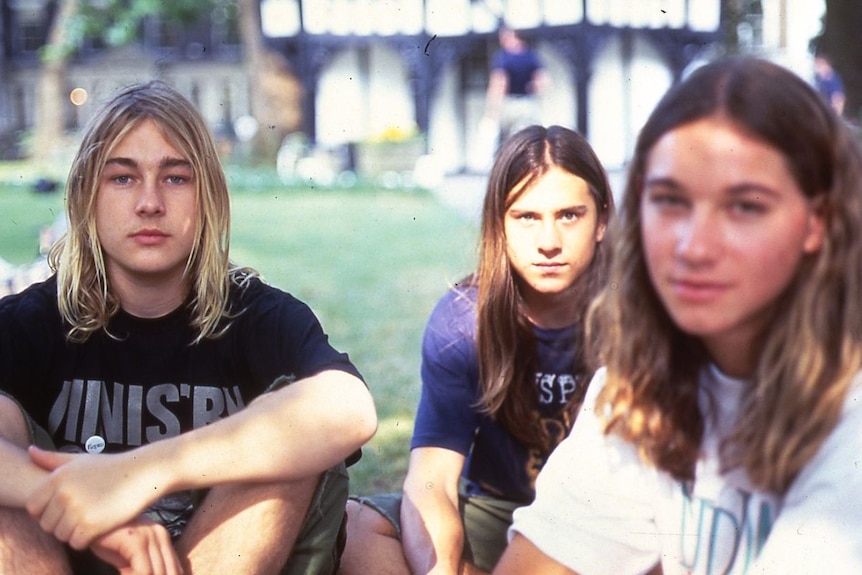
[(801, 22), (559, 103), (340, 95), (355, 103), (390, 104), (621, 97), (446, 124)]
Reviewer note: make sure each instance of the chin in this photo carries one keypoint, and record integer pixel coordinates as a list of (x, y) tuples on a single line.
[(550, 289)]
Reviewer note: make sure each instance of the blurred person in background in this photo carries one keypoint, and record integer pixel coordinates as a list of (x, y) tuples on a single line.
[(829, 83)]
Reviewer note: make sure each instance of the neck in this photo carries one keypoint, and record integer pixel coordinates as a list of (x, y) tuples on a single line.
[(553, 311), (149, 299)]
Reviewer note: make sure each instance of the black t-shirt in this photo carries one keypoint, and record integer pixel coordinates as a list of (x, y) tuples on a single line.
[(144, 380)]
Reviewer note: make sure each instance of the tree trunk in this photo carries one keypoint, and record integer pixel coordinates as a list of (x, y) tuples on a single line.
[(275, 94), (51, 94), (840, 42)]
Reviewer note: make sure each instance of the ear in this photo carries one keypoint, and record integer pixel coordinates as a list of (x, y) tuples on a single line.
[(815, 228), (601, 228)]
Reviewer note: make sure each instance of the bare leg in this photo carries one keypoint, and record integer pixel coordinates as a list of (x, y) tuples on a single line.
[(372, 544), (24, 547), (470, 569), (245, 528)]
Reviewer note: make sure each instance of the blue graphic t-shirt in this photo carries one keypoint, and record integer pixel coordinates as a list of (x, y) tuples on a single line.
[(448, 415)]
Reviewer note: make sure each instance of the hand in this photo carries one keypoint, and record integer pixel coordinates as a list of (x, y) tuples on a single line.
[(86, 496), (141, 547)]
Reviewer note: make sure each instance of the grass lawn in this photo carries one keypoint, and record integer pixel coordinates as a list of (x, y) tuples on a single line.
[(371, 263)]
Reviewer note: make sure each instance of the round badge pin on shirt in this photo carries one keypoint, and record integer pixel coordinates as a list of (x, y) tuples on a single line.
[(95, 444)]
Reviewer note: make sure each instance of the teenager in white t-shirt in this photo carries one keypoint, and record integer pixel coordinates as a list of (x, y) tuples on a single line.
[(725, 433)]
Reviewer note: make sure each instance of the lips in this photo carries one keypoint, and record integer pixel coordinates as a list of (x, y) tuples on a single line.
[(697, 290), (549, 267), (149, 236)]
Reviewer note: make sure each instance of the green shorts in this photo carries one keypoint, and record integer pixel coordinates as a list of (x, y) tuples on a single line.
[(486, 522), (318, 546)]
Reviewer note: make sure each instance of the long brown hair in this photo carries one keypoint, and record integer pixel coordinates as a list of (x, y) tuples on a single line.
[(84, 294), (504, 336), (811, 349)]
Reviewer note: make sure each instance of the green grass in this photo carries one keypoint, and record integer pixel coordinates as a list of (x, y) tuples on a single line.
[(371, 264), (23, 212)]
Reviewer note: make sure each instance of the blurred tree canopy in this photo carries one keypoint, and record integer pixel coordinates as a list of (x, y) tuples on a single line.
[(112, 23), (115, 23)]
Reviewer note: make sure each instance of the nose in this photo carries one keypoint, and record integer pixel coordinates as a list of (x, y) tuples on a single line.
[(698, 238), (149, 200), (549, 241)]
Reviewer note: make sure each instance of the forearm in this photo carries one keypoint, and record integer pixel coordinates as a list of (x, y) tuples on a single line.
[(291, 433), (522, 556), (497, 86), (18, 475), (432, 533)]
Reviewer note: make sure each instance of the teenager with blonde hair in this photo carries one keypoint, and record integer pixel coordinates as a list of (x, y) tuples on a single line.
[(503, 365), (724, 433), (182, 415)]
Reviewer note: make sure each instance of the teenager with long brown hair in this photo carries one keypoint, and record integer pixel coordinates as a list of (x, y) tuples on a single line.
[(724, 434), (503, 366)]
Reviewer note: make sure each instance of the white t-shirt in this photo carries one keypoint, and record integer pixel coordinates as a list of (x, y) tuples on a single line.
[(600, 509)]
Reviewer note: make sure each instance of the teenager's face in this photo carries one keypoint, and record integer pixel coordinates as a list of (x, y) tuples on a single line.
[(724, 227), (551, 233), (146, 209)]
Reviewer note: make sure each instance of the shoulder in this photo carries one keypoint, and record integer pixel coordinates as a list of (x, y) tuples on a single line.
[(256, 304), (37, 301), (455, 311), (32, 316), (250, 292), (451, 328)]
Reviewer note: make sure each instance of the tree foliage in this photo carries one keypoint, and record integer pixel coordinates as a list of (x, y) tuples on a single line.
[(118, 22)]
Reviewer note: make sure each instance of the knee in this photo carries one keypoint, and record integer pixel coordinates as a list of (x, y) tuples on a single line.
[(25, 548), (13, 426), (363, 521)]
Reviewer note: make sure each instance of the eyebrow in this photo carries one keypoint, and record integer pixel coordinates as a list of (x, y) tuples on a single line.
[(739, 189), (579, 208), (164, 163), (661, 181)]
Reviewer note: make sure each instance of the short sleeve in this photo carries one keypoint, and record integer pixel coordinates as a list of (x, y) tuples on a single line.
[(446, 416), (280, 335)]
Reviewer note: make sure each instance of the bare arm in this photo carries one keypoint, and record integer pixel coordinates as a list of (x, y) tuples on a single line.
[(137, 547), (498, 84), (18, 475), (432, 534), (292, 433), (521, 556), (541, 82)]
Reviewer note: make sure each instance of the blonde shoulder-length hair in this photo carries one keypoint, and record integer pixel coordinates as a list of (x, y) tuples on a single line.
[(811, 350), (84, 293)]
